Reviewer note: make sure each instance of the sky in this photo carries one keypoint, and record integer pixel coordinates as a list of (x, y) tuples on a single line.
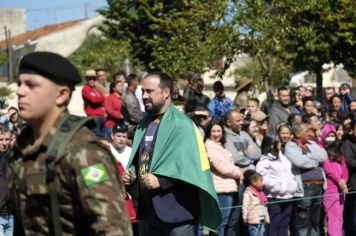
[(45, 12)]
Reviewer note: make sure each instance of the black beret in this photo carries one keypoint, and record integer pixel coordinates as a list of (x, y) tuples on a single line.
[(51, 66)]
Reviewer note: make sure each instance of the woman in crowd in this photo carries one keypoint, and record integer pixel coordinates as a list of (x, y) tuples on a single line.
[(279, 184), (335, 102), (113, 107), (296, 100), (262, 124), (336, 177), (225, 174), (284, 135), (250, 127)]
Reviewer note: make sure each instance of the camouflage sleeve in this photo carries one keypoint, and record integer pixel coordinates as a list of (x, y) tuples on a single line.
[(99, 189)]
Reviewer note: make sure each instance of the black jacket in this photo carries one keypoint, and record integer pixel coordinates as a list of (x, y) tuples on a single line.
[(348, 149)]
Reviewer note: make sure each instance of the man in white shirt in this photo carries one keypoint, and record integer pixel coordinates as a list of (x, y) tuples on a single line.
[(118, 146)]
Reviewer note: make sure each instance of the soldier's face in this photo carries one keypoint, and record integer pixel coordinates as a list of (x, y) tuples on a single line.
[(154, 98), (36, 97), (119, 140), (4, 141)]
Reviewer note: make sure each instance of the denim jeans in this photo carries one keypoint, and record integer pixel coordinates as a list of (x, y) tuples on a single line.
[(306, 215), (6, 225), (108, 132), (225, 201), (350, 215), (99, 128), (233, 225), (256, 229)]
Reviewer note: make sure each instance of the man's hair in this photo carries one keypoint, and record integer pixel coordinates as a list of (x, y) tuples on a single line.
[(120, 127), (291, 118), (218, 86), (200, 81), (117, 74), (4, 129), (131, 78), (228, 114), (306, 99), (255, 100), (283, 88), (306, 118), (13, 108), (296, 128), (165, 81), (99, 69)]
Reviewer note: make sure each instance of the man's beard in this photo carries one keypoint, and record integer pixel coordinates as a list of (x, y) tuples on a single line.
[(155, 108), (285, 105)]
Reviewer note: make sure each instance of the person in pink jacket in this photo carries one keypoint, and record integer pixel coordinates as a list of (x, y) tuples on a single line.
[(254, 206), (225, 174), (336, 177)]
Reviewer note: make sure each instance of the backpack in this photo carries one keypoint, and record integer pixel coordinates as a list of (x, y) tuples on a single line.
[(68, 127)]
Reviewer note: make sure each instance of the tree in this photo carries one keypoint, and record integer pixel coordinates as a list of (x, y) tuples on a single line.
[(102, 52), (303, 34), (178, 37)]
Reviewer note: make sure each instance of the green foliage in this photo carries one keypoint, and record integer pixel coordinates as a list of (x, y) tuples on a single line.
[(101, 52), (178, 37), (3, 57), (299, 33), (5, 92)]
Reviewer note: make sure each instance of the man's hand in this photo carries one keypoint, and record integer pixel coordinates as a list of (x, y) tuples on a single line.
[(128, 177), (11, 112), (150, 181)]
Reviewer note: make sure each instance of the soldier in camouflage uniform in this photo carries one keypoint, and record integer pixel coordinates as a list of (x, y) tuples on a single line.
[(86, 180)]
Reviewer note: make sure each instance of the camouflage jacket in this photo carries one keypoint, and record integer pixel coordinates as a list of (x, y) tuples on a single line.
[(89, 189)]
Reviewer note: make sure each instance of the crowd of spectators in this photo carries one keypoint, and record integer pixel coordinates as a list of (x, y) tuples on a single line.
[(283, 166)]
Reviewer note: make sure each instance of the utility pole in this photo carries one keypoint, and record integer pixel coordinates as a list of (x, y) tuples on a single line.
[(9, 51), (85, 10)]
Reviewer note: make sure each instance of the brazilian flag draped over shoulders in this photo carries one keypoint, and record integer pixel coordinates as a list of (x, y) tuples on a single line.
[(179, 153)]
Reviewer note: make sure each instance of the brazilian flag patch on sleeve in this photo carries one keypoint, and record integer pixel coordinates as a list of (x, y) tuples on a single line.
[(94, 174)]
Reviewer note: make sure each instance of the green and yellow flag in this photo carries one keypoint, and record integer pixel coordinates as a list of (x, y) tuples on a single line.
[(180, 153), (94, 174)]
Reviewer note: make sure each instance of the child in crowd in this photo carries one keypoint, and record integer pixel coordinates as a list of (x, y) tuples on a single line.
[(254, 206), (336, 177), (279, 184)]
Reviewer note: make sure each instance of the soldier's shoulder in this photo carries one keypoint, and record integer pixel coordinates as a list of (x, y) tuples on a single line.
[(84, 137)]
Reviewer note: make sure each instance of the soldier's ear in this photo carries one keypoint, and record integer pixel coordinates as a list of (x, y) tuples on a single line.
[(63, 96)]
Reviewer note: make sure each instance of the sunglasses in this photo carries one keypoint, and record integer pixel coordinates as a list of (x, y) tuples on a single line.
[(91, 78)]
